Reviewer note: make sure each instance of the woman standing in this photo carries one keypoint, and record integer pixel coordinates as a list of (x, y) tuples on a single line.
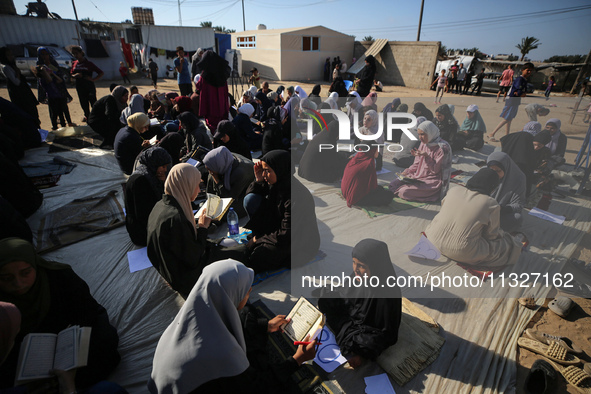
[(366, 76), (213, 89), (18, 89), (45, 59), (82, 71)]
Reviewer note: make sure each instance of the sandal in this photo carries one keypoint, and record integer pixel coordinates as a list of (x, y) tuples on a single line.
[(554, 351), (493, 139), (547, 338), (575, 376)]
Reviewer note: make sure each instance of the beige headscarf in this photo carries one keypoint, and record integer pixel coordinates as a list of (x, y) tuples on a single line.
[(137, 121), (181, 183)]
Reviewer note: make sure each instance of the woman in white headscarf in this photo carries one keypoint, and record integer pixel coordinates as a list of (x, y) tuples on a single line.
[(206, 347), (177, 246), (332, 100), (300, 92), (430, 171), (136, 105)]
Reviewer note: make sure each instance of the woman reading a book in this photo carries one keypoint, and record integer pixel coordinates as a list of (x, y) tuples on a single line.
[(475, 236), (428, 177), (360, 181), (365, 320), (143, 190), (216, 343), (510, 194), (178, 246), (51, 297), (129, 141), (229, 176), (276, 202)]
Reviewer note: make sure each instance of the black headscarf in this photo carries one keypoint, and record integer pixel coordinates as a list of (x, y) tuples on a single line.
[(325, 166), (215, 69), (544, 137), (149, 161), (315, 91), (421, 110), (484, 181), (280, 162), (374, 313), (195, 132)]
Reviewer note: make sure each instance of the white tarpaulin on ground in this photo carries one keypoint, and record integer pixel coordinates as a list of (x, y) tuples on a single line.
[(481, 334)]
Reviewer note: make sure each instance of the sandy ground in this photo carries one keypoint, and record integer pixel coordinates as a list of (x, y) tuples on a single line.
[(577, 325)]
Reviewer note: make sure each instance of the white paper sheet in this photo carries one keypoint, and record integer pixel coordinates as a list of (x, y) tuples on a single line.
[(328, 356), (378, 384), (154, 122), (138, 260), (425, 249), (539, 213), (383, 171)]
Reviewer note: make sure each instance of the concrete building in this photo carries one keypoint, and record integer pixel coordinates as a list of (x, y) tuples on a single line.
[(292, 54), (404, 63)]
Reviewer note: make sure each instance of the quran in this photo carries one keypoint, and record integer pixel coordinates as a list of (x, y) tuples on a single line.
[(306, 320)]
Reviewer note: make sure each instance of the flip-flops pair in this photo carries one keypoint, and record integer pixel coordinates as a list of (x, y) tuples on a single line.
[(553, 351), (546, 339), (542, 375)]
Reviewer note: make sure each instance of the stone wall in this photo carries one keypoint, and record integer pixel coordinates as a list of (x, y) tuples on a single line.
[(404, 63)]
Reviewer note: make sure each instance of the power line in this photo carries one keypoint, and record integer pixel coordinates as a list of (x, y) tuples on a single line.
[(476, 22)]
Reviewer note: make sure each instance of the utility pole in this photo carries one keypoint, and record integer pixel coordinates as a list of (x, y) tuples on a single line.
[(77, 22), (243, 18), (582, 72), (180, 18), (420, 20)]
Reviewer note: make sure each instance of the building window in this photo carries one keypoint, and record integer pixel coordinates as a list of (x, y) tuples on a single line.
[(310, 43), (246, 42)]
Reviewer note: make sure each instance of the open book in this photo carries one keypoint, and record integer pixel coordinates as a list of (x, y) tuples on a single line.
[(407, 179), (42, 352), (305, 319), (215, 207)]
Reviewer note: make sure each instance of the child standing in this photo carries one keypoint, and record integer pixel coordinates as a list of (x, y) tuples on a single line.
[(255, 78), (518, 90), (441, 85), (58, 106), (551, 84), (124, 71)]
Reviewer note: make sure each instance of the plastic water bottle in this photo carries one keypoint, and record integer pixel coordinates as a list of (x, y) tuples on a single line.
[(233, 228)]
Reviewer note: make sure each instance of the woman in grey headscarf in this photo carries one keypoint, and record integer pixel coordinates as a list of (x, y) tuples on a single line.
[(136, 104), (206, 347), (229, 176), (510, 194)]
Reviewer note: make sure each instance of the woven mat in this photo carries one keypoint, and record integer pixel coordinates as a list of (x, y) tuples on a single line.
[(396, 205), (419, 344), (78, 220), (309, 378)]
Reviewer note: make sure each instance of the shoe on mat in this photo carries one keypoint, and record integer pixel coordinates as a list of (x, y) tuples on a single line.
[(547, 338), (575, 376), (540, 379), (561, 305), (554, 351)]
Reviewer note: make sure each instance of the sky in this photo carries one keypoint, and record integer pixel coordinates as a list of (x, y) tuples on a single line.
[(495, 27)]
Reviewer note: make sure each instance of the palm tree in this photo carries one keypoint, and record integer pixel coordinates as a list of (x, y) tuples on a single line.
[(368, 38), (527, 44), (206, 24)]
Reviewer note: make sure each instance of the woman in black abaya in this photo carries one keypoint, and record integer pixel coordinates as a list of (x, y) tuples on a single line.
[(366, 320)]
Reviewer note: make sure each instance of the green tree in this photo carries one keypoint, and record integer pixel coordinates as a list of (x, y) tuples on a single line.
[(222, 29), (368, 38), (566, 59), (527, 45), (206, 24)]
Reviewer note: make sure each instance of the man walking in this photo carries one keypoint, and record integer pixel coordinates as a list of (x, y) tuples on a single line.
[(181, 65)]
